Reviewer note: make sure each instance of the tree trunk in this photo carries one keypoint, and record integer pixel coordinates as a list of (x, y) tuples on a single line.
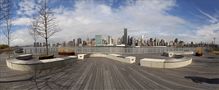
[(8, 36), (46, 32), (35, 47), (47, 49)]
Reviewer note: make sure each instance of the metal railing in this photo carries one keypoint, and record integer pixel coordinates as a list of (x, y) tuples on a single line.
[(122, 50), (117, 50), (40, 50)]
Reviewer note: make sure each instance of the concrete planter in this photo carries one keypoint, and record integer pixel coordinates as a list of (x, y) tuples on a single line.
[(32, 65), (163, 63)]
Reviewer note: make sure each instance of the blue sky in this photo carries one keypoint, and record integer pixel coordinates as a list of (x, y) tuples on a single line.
[(190, 9), (188, 20)]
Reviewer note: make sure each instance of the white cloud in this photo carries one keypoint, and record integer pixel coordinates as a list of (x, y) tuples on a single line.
[(208, 32), (212, 19), (90, 18), (26, 8), (87, 18), (22, 21)]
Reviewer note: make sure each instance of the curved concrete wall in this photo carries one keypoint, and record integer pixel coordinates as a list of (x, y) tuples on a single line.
[(39, 64), (178, 64), (129, 59), (162, 63), (98, 55)]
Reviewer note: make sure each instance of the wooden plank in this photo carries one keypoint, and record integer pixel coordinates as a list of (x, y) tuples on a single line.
[(102, 73)]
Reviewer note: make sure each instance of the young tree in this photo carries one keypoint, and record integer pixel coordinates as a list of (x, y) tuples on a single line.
[(33, 32), (47, 26), (2, 6), (2, 15), (7, 20)]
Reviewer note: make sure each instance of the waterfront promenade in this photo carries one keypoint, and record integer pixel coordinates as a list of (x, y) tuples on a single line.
[(102, 73)]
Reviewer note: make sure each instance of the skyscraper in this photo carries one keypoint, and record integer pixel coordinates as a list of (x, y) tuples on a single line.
[(109, 40), (74, 42), (125, 41), (98, 39), (79, 42)]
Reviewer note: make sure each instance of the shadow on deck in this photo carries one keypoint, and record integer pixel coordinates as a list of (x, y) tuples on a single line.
[(197, 79)]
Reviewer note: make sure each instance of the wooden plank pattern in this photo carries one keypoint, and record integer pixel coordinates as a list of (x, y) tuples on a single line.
[(102, 73)]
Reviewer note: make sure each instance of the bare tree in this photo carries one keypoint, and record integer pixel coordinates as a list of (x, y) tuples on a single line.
[(2, 6), (2, 15), (7, 20), (33, 32), (47, 26)]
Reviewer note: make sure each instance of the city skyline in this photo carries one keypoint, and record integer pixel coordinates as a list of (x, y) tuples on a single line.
[(187, 20), (129, 41), (109, 44)]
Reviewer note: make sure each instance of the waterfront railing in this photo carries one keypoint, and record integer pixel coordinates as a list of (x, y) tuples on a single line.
[(117, 50)]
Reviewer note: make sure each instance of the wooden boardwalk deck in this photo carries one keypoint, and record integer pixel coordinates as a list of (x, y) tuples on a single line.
[(102, 73)]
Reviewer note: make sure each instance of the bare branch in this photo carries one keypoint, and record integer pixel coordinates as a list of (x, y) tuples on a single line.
[(6, 17), (46, 26)]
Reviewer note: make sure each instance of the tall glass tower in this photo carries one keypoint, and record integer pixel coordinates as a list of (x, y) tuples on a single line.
[(125, 36), (98, 39)]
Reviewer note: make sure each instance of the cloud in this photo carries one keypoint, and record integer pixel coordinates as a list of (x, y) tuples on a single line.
[(22, 21), (141, 17), (18, 38), (212, 19), (208, 32), (26, 8)]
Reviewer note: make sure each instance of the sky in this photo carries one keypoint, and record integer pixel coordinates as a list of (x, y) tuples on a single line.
[(188, 20)]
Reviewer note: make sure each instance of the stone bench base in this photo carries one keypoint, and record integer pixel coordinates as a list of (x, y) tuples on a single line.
[(81, 56), (131, 59)]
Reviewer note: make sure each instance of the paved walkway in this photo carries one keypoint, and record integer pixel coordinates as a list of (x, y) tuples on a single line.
[(102, 73)]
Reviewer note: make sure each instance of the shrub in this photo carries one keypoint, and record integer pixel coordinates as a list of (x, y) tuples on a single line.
[(216, 49), (66, 53), (46, 57), (199, 51), (3, 46)]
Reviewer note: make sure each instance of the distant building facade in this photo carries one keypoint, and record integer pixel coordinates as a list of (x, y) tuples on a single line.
[(125, 37), (98, 40)]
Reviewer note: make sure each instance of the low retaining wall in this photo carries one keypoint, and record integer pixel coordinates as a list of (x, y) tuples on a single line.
[(117, 57), (32, 65), (98, 55), (163, 63)]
